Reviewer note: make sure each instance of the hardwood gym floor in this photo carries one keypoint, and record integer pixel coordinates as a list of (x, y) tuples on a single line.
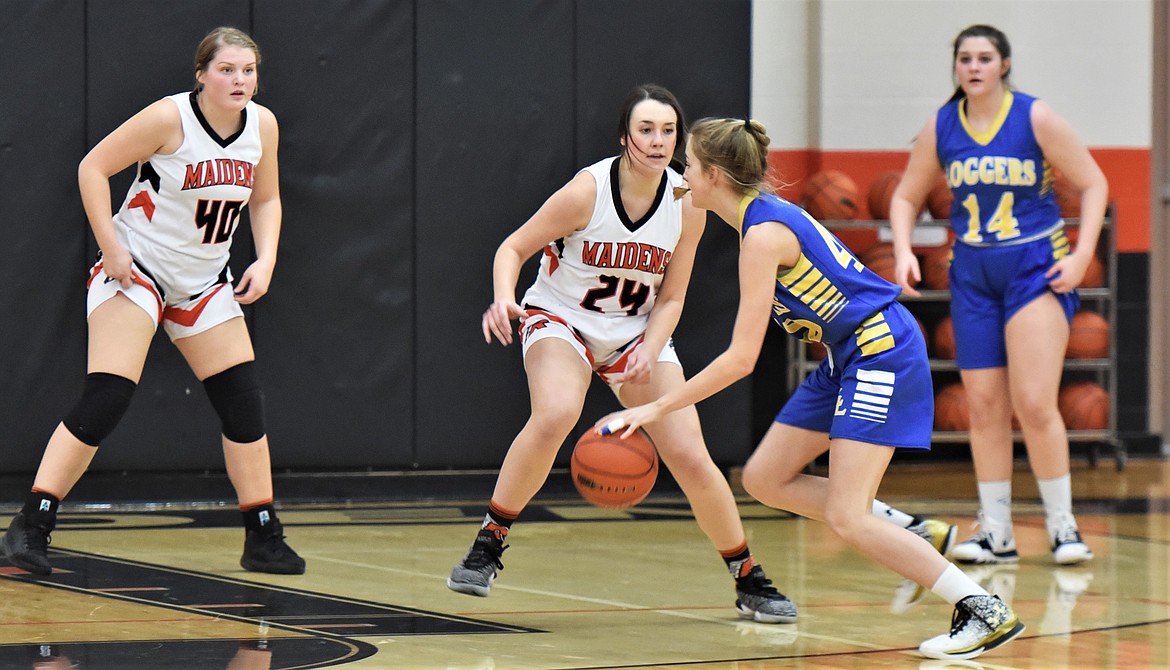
[(157, 585)]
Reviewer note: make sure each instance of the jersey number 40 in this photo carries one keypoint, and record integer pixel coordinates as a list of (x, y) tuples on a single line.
[(218, 219)]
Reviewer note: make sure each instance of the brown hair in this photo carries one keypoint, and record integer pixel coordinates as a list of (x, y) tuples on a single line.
[(650, 92), (221, 37), (997, 39), (644, 92), (737, 147)]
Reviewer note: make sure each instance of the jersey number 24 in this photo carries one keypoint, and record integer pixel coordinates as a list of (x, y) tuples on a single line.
[(633, 295)]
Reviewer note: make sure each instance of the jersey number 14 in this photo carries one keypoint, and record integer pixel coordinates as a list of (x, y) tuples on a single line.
[(1002, 224)]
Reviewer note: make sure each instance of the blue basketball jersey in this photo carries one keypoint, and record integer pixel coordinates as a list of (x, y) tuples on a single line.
[(875, 386), (828, 294), (1001, 182)]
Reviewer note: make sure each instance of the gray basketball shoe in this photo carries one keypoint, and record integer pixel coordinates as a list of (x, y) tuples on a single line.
[(476, 572), (758, 600)]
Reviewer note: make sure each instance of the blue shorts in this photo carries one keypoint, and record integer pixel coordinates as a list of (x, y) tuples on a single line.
[(989, 285), (875, 387)]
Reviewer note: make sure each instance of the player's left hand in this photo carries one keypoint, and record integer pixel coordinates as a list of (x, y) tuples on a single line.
[(1068, 272), (254, 284), (628, 419), (638, 367)]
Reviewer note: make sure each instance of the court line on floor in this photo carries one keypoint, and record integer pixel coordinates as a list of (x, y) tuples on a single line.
[(602, 601)]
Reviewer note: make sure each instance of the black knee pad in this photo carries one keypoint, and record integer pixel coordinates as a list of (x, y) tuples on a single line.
[(102, 404), (236, 396)]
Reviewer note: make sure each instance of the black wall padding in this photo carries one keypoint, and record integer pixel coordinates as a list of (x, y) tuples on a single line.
[(335, 336), (415, 136), (42, 132), (495, 137)]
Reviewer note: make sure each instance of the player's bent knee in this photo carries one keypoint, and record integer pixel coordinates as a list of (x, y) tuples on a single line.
[(103, 402), (236, 396), (753, 483)]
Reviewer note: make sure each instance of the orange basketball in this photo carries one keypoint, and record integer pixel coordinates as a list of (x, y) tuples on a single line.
[(944, 339), (925, 335), (612, 472), (1084, 406), (1066, 196), (881, 192), (880, 259), (936, 267), (1088, 336), (1094, 274), (938, 201), (815, 351), (950, 408), (830, 195)]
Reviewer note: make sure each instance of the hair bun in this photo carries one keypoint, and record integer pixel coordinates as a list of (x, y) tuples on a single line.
[(759, 131)]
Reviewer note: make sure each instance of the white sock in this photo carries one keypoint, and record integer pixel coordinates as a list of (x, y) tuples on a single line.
[(953, 585), (1057, 496), (995, 500), (896, 517)]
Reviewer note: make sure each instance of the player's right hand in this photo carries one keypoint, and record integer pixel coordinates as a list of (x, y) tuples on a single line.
[(497, 320), (625, 422), (116, 263)]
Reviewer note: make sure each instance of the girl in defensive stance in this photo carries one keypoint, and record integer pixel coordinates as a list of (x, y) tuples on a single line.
[(586, 314), (202, 156)]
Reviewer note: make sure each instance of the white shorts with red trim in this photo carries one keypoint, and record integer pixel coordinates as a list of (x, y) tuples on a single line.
[(540, 324), (182, 317)]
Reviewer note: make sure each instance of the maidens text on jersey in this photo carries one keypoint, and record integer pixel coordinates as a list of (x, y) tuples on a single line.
[(219, 172), (625, 255)]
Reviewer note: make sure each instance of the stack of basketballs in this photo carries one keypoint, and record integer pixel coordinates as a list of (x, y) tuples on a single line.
[(833, 198)]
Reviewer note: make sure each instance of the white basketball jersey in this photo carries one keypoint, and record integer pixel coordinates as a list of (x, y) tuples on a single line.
[(181, 211), (604, 279)]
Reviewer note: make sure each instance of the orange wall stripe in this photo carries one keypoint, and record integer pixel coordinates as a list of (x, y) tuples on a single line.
[(1127, 169)]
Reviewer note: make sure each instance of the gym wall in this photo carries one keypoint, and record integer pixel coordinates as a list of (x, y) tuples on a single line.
[(417, 134), (848, 84)]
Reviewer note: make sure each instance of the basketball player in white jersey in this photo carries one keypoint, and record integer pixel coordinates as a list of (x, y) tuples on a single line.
[(619, 242), (202, 157)]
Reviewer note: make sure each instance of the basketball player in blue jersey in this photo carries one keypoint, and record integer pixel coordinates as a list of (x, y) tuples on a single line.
[(1013, 278), (202, 156), (590, 313), (871, 395)]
